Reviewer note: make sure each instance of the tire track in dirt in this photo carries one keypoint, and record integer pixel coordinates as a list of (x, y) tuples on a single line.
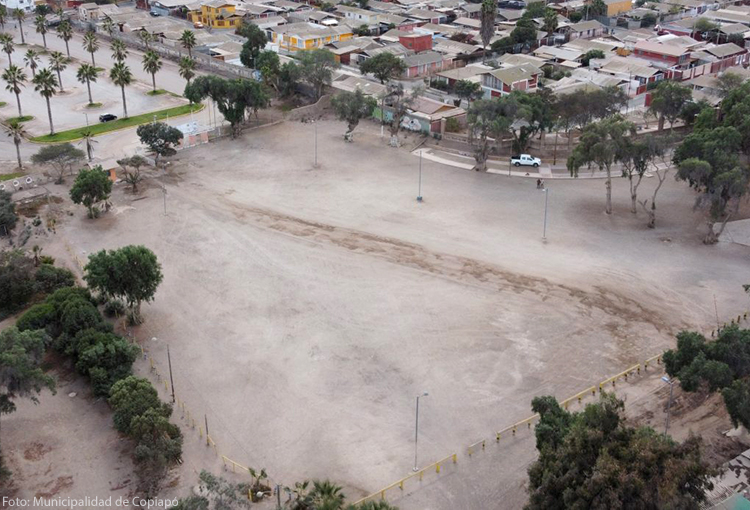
[(457, 268)]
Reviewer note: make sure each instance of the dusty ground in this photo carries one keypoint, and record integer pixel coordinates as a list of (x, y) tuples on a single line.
[(305, 308)]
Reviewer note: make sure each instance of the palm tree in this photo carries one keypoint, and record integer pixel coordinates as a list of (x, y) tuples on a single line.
[(120, 75), (3, 15), (6, 41), (65, 32), (88, 139), (20, 16), (152, 64), (15, 131), (40, 22), (46, 84), (58, 62), (119, 50), (15, 78), (188, 41), (187, 68), (31, 60), (108, 26), (86, 74), (145, 38), (91, 44)]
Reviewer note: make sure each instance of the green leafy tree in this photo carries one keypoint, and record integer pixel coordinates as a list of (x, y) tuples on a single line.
[(706, 28), (50, 278), (187, 39), (488, 118), (596, 8), (592, 459), (146, 38), (133, 397), (549, 24), (65, 32), (16, 281), (152, 64), (637, 157), (119, 51), (233, 98), (269, 65), (36, 317), (735, 111), (58, 63), (108, 26), (160, 138), (91, 45), (159, 446), (91, 187), (601, 144), (289, 76), (46, 84), (591, 54), (31, 60), (316, 68), (15, 80), (20, 16), (40, 22), (107, 361), (524, 32), (16, 132), (255, 43), (187, 68), (667, 100), (383, 66), (86, 74), (62, 157), (468, 90), (6, 41), (21, 375), (122, 77), (399, 101), (351, 107), (88, 141), (132, 273), (649, 20)]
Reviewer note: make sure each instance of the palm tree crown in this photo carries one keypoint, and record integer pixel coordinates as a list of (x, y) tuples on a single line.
[(58, 62), (6, 41), (65, 32), (91, 44), (40, 22), (188, 41), (20, 15), (15, 78), (121, 76), (152, 64), (31, 60), (119, 50), (187, 68), (46, 84)]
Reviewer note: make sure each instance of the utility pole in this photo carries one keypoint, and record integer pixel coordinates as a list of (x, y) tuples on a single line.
[(171, 379), (416, 431), (544, 232), (419, 193)]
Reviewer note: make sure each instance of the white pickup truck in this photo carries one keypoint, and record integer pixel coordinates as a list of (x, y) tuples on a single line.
[(525, 160)]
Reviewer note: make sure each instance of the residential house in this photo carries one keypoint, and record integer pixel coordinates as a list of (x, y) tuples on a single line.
[(615, 7), (663, 55), (349, 83), (455, 49), (307, 36), (433, 116), (501, 82), (86, 12), (357, 15), (472, 72), (425, 64), (473, 11), (416, 42), (218, 14), (289, 7), (585, 30), (255, 11), (426, 16), (470, 23)]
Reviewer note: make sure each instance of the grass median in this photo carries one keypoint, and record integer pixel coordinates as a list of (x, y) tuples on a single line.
[(105, 127)]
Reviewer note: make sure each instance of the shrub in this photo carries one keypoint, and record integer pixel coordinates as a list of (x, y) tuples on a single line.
[(37, 317), (114, 307), (77, 315), (16, 281), (46, 259), (131, 397), (107, 361), (452, 125), (50, 278)]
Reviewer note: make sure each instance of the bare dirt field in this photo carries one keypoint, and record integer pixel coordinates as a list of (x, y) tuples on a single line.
[(305, 307)]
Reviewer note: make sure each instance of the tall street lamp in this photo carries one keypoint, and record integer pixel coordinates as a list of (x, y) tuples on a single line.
[(416, 430)]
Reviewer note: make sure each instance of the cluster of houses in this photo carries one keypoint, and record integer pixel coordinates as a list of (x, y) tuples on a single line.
[(439, 41)]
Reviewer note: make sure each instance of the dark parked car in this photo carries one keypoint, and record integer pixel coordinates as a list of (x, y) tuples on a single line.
[(154, 14), (107, 117)]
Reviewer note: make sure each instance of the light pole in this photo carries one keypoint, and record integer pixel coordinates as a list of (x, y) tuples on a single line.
[(315, 126), (419, 193), (669, 405), (416, 430), (546, 196)]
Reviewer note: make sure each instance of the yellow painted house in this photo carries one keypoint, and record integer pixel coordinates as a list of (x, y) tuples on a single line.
[(615, 7), (308, 36), (217, 14)]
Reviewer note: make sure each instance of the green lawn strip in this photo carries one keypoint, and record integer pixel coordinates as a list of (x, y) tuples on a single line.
[(93, 105), (156, 92), (106, 127), (16, 120), (7, 177)]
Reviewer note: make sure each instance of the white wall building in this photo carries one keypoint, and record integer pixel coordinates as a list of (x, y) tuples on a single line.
[(12, 5)]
